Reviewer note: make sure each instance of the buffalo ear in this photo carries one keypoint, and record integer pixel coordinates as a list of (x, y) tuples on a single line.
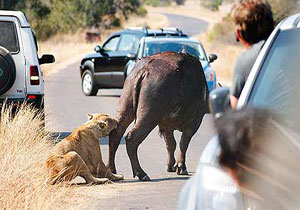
[(102, 125), (90, 116)]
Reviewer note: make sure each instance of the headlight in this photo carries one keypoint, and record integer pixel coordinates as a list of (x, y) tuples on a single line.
[(219, 192), (209, 74)]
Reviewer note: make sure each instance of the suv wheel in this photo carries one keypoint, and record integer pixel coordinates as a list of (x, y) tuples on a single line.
[(7, 70), (89, 88)]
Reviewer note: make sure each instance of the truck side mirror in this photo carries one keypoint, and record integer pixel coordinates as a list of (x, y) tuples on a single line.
[(46, 58), (98, 49), (219, 101)]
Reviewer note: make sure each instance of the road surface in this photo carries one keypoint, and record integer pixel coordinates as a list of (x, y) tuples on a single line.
[(67, 107)]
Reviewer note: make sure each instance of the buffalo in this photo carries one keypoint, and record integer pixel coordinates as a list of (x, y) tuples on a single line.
[(169, 90)]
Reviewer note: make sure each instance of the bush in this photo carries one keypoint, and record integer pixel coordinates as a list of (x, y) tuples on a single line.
[(212, 4), (284, 8), (223, 31), (49, 17), (24, 148), (157, 3)]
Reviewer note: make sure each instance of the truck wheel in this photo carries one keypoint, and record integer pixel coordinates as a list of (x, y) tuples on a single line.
[(89, 88), (7, 70)]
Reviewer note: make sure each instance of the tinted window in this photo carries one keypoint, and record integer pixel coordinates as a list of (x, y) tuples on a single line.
[(112, 44), (129, 42), (8, 36), (277, 85), (163, 46)]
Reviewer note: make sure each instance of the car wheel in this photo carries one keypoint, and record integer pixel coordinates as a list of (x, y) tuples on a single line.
[(7, 70), (89, 88)]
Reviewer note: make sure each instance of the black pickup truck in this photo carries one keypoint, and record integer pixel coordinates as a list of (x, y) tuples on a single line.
[(105, 68)]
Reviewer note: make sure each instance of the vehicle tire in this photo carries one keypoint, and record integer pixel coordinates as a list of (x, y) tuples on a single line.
[(89, 88), (7, 70)]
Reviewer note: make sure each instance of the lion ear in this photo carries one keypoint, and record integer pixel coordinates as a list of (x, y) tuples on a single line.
[(102, 125), (90, 116)]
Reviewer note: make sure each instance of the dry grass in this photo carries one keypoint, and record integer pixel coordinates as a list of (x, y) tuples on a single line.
[(66, 49), (227, 52), (24, 147)]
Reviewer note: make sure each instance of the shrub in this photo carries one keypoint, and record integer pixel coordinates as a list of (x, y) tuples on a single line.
[(223, 31), (24, 147), (212, 4)]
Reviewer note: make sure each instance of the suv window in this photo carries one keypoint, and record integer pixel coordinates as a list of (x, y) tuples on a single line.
[(164, 46), (129, 42), (277, 85), (8, 38), (112, 44)]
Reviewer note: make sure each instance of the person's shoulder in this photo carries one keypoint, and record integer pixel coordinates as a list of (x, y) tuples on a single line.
[(248, 57)]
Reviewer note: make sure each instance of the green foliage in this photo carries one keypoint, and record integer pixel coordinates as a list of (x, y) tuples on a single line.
[(49, 17), (8, 4), (141, 11), (223, 31), (212, 4), (157, 3), (284, 8)]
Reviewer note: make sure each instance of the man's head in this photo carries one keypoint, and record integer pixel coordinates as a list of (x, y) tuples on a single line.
[(253, 19)]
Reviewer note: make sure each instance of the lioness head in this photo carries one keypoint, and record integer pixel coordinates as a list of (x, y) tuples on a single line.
[(102, 123)]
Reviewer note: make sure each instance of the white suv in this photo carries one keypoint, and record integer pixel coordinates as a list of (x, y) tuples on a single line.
[(21, 78), (274, 84)]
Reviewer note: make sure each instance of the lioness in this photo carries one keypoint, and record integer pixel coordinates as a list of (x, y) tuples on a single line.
[(79, 154)]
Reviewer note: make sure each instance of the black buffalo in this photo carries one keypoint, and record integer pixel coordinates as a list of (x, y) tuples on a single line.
[(169, 90)]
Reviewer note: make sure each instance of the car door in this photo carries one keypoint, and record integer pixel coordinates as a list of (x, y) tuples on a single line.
[(128, 44), (103, 62)]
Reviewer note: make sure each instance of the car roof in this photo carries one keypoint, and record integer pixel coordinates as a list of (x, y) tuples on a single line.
[(18, 14), (144, 31), (170, 39), (290, 22)]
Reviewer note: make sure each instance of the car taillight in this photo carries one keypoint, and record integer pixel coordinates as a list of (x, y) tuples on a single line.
[(31, 96), (34, 75)]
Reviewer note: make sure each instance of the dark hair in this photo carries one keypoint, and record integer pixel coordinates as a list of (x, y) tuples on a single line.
[(236, 130), (254, 19)]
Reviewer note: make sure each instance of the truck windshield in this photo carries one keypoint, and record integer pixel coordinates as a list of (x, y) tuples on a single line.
[(277, 85), (163, 46), (8, 38)]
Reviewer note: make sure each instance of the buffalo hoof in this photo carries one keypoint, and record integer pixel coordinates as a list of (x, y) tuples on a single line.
[(180, 169), (145, 178), (171, 169), (182, 172)]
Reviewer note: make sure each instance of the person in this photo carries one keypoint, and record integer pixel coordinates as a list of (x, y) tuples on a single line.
[(262, 154), (254, 23)]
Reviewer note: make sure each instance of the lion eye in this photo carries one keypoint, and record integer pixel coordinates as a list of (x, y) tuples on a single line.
[(102, 125)]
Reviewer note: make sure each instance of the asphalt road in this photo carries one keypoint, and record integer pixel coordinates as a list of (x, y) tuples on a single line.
[(67, 107)]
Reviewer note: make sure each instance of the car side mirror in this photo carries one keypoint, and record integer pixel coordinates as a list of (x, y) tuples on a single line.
[(99, 49), (46, 58), (219, 101), (212, 58), (131, 56)]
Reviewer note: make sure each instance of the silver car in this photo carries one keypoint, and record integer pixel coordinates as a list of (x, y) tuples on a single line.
[(274, 84)]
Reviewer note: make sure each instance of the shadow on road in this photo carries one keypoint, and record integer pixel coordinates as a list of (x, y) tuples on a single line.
[(113, 96), (61, 135), (159, 179)]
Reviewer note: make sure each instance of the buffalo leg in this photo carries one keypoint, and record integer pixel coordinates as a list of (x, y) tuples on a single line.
[(133, 139), (183, 145), (171, 147), (115, 137)]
